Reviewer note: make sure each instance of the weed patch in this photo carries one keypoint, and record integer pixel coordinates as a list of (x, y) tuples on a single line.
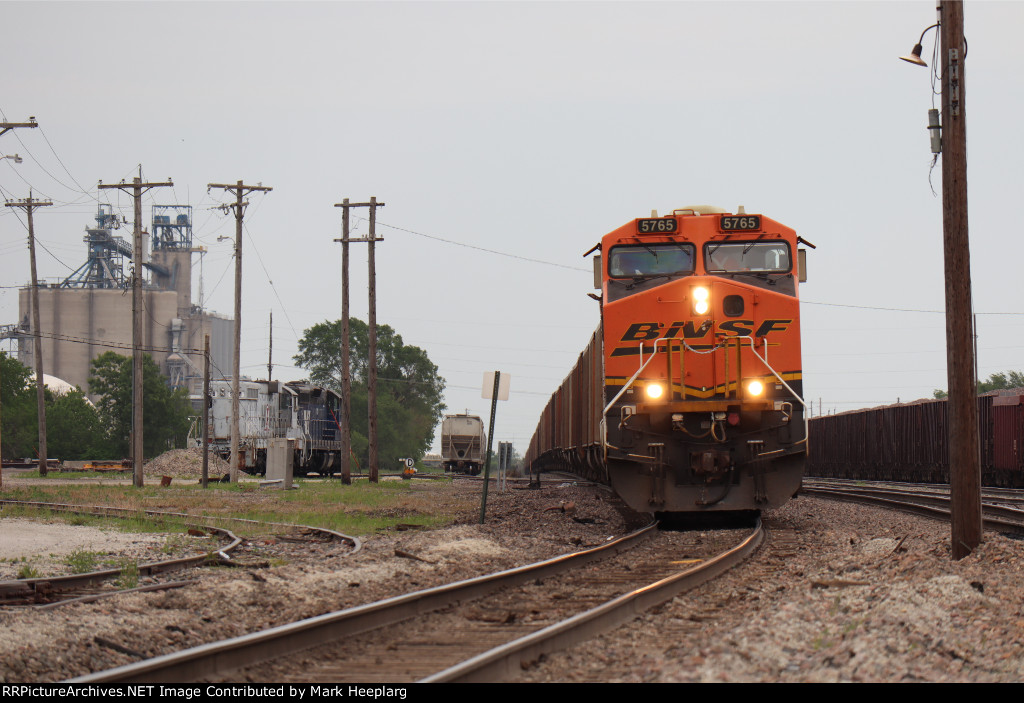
[(81, 561), (27, 571), (359, 509), (129, 577)]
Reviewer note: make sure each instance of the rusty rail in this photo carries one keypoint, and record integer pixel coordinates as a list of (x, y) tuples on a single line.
[(218, 658), (33, 589), (504, 661)]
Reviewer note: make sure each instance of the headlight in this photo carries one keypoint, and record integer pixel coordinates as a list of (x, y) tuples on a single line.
[(755, 387), (701, 300), (655, 391)]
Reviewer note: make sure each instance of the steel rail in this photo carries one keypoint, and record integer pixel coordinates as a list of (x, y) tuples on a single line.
[(993, 493), (218, 658), (100, 596), (28, 588), (503, 662), (994, 517), (936, 499), (110, 511)]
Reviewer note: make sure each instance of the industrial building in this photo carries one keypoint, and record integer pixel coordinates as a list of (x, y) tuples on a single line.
[(90, 311)]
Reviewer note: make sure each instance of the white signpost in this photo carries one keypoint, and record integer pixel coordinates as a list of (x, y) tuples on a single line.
[(495, 387)]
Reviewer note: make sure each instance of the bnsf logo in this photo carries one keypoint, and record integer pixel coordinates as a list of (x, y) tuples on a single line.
[(642, 331)]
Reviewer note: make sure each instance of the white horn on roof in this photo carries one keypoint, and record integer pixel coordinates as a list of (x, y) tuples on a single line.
[(699, 210)]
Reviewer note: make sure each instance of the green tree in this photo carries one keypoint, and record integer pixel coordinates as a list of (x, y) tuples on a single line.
[(18, 428), (409, 389), (73, 426), (165, 413), (997, 381)]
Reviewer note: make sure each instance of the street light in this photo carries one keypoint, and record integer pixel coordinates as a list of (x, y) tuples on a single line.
[(17, 159), (915, 53)]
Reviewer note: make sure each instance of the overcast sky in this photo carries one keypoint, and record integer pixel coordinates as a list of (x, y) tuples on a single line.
[(523, 132)]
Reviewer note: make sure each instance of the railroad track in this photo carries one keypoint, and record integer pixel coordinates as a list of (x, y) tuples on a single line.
[(929, 500), (54, 591), (449, 633), (1009, 496)]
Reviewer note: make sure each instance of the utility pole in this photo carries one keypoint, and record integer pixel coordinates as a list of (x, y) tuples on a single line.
[(37, 344), (270, 351), (206, 411), (346, 378), (346, 369), (1, 433), (137, 188), (964, 461), (240, 190), (371, 323), (6, 127)]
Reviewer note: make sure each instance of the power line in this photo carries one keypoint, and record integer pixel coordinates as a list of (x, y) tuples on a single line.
[(870, 307), (104, 342), (484, 249), (252, 242)]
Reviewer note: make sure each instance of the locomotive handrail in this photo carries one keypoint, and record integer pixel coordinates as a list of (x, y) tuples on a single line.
[(643, 365), (764, 360), (654, 354)]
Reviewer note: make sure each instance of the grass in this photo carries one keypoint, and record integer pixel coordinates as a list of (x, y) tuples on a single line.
[(358, 509), (129, 577), (27, 571), (81, 561), (54, 474), (176, 544)]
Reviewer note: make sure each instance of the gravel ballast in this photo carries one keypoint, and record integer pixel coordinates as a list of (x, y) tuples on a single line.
[(839, 592)]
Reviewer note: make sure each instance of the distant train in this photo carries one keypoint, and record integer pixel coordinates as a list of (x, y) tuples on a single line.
[(909, 442), (298, 411), (463, 443), (689, 396)]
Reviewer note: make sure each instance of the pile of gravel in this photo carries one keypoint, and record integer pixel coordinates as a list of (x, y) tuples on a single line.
[(185, 463)]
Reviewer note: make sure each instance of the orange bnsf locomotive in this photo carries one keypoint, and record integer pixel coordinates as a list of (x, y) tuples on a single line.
[(689, 396)]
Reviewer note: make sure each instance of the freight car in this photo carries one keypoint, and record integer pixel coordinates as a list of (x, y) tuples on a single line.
[(688, 397), (462, 443), (909, 442), (306, 414)]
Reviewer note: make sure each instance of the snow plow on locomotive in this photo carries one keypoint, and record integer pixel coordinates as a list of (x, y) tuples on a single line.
[(689, 396)]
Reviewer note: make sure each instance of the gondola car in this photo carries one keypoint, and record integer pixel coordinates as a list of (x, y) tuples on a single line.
[(910, 442)]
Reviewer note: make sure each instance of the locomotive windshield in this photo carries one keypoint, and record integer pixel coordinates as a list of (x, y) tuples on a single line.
[(741, 257), (651, 260)]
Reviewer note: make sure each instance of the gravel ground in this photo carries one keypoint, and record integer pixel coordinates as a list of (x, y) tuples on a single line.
[(839, 593), (279, 581)]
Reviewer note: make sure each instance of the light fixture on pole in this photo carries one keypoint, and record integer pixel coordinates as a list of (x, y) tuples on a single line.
[(17, 159), (915, 53)]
